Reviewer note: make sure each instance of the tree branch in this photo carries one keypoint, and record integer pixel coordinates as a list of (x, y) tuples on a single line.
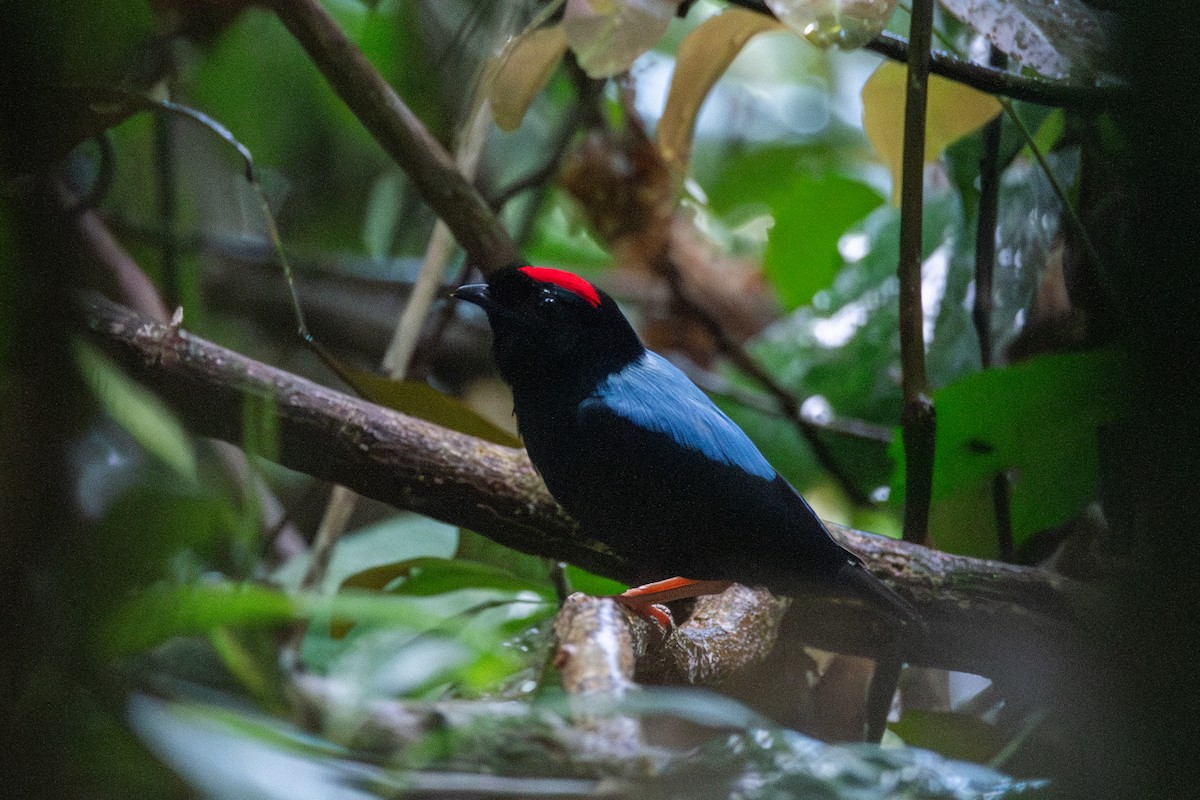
[(983, 616), (1058, 94)]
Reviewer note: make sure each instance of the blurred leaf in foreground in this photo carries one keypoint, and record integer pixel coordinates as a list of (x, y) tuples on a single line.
[(139, 411)]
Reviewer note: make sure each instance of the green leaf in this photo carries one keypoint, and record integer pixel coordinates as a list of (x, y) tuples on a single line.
[(1038, 418), (418, 399), (397, 539), (560, 239), (596, 585), (1048, 133), (430, 576), (802, 248), (844, 348), (138, 410), (812, 207), (165, 611), (481, 550), (958, 736)]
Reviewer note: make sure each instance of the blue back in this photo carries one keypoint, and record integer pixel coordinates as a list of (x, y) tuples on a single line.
[(653, 394)]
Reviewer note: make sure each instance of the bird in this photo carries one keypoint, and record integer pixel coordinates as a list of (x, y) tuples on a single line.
[(644, 460)]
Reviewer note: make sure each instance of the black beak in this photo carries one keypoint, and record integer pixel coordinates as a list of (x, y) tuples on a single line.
[(476, 293)]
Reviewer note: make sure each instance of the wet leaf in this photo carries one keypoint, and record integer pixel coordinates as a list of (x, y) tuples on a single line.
[(521, 70), (1052, 37), (847, 23), (607, 35), (843, 349), (954, 110), (702, 58), (418, 399)]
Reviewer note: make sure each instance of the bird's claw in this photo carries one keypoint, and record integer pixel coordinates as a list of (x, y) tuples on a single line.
[(654, 613)]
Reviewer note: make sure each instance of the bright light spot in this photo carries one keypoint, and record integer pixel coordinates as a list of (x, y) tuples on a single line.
[(881, 493), (836, 330), (933, 288), (853, 246), (816, 409), (696, 191)]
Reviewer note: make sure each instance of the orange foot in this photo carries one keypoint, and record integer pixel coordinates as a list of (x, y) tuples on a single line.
[(644, 600)]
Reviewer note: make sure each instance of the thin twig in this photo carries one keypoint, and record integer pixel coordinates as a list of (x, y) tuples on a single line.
[(880, 693), (985, 232), (917, 416), (168, 206)]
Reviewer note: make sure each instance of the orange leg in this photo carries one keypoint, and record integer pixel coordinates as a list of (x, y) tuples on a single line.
[(642, 600)]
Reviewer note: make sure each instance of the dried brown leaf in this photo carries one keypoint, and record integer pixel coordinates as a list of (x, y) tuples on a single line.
[(703, 57)]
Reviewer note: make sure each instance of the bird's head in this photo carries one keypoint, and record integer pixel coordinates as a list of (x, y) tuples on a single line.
[(551, 325)]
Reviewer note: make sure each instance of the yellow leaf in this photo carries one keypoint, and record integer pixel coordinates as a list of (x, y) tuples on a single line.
[(702, 58), (520, 72), (421, 400), (953, 112)]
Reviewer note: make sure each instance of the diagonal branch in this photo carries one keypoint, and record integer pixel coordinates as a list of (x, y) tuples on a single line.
[(401, 133), (983, 616)]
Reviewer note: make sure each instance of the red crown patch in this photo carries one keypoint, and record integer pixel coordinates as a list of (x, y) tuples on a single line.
[(571, 282)]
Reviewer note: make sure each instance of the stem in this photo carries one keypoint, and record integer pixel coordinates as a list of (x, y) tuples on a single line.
[(917, 416), (168, 207), (985, 264), (985, 233)]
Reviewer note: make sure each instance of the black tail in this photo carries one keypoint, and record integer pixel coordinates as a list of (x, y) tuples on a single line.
[(859, 582)]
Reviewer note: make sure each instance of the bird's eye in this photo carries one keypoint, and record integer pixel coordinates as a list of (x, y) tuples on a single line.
[(547, 303)]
